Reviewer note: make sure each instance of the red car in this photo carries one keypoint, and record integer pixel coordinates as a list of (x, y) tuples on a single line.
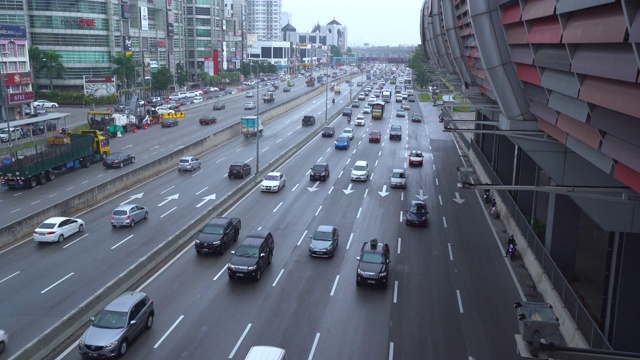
[(416, 158), (207, 120), (374, 136)]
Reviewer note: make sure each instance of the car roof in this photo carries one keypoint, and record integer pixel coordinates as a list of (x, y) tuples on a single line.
[(56, 219), (125, 206), (187, 157), (325, 228), (255, 237), (360, 162), (418, 202), (398, 170), (274, 173), (321, 163), (125, 301), (238, 163)]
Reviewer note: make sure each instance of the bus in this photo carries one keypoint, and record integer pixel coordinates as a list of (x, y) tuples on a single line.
[(377, 110)]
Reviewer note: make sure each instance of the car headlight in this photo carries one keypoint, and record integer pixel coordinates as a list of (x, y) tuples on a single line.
[(311, 247), (197, 241), (111, 344), (251, 268), (216, 243), (360, 272), (231, 267), (81, 342), (382, 274)]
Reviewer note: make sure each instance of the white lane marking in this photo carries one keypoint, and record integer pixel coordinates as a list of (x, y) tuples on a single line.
[(460, 302), (278, 141), (402, 196), (395, 292), (10, 276), (450, 252), (222, 158), (302, 237), (391, 350), (359, 211), (434, 167), (400, 215), (335, 283), (69, 188), (265, 149), (84, 182), (376, 163), (277, 207), (205, 188), (75, 241), (52, 195), (339, 175), (168, 332), (399, 244), (440, 198), (277, 278), (118, 244), (164, 191), (313, 348), (295, 186), (330, 190), (437, 182), (318, 211), (349, 242), (220, 273), (56, 283), (444, 220), (235, 348), (18, 209), (365, 192), (35, 202), (167, 213)]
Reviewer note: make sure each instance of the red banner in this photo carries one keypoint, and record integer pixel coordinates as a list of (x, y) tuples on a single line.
[(216, 65), (17, 78), (21, 97)]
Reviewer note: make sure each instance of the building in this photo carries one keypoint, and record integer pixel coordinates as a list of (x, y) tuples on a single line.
[(557, 83), (263, 19), (15, 72), (235, 40), (203, 31), (278, 53)]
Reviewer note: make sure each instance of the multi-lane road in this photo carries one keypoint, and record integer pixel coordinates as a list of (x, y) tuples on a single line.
[(450, 290)]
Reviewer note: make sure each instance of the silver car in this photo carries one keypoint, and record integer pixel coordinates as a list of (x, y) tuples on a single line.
[(189, 163), (324, 241), (398, 179), (128, 215), (119, 323)]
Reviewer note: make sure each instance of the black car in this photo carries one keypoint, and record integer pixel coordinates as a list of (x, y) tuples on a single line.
[(373, 263), (395, 132), (417, 214), (169, 122), (219, 106), (286, 89), (416, 117), (319, 171), (328, 131), (252, 256), (118, 159), (239, 170), (346, 112)]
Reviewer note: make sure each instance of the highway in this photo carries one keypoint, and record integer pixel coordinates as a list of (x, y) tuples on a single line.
[(451, 289)]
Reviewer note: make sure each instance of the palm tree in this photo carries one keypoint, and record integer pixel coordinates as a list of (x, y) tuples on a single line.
[(125, 68), (52, 66)]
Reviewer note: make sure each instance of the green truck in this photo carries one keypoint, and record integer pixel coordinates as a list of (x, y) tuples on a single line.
[(36, 165)]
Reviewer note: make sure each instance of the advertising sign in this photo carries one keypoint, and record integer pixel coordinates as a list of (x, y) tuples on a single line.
[(144, 18), (18, 78), (216, 61), (13, 32), (99, 85), (21, 97), (126, 11), (126, 43), (170, 31)]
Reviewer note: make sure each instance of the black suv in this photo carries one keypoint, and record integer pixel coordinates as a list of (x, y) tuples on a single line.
[(252, 256), (417, 214), (239, 170), (373, 263), (328, 131), (395, 132), (416, 117), (319, 171)]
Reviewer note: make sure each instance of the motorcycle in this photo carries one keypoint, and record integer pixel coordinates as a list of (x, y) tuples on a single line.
[(511, 251), (25, 133), (487, 196), (493, 212)]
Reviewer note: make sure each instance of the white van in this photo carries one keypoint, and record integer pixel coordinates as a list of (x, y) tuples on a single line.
[(265, 353)]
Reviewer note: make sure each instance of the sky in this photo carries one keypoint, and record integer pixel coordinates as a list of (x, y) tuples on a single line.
[(377, 22)]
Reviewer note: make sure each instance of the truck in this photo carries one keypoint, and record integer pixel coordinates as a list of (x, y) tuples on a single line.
[(386, 96), (38, 164), (336, 88), (251, 126), (311, 81), (268, 97), (320, 79), (217, 235), (308, 120), (377, 110)]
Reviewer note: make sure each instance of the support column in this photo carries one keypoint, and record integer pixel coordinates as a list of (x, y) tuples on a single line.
[(525, 175), (624, 306), (561, 236)]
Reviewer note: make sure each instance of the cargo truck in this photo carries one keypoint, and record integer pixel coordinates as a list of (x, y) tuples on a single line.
[(251, 126), (377, 110), (38, 164), (268, 97), (311, 81)]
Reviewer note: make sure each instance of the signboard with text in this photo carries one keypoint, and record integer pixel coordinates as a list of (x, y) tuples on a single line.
[(18, 78), (21, 97), (99, 85), (13, 32)]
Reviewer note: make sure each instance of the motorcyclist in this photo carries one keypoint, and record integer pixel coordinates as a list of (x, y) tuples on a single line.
[(349, 119), (333, 101), (511, 241)]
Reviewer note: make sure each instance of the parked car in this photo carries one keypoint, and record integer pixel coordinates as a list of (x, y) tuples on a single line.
[(207, 120), (118, 159), (239, 170), (128, 215), (328, 131), (273, 182), (174, 97), (169, 122), (324, 241), (319, 171), (219, 106), (13, 133), (252, 256), (189, 163), (120, 323), (57, 229), (45, 104), (197, 99)]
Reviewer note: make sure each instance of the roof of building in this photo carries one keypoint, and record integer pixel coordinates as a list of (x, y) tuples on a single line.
[(288, 28), (334, 22)]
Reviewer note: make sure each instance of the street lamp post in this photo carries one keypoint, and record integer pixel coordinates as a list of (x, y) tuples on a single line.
[(3, 101), (326, 99), (258, 123)]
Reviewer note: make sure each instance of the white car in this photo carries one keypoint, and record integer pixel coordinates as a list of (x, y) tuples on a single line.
[(348, 132), (164, 110), (197, 99), (360, 171), (191, 94), (174, 97), (213, 89), (57, 229), (4, 339), (45, 104), (183, 94), (14, 133), (360, 120), (249, 94), (366, 109), (249, 105), (273, 182)]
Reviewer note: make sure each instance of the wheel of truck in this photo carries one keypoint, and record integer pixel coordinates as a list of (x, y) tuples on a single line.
[(32, 182), (41, 179), (50, 175), (85, 162)]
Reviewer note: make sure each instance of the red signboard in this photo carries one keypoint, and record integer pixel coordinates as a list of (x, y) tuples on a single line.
[(17, 78), (21, 97), (216, 65)]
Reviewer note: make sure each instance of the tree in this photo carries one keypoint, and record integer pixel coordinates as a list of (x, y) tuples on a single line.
[(336, 51), (161, 79), (418, 62), (36, 60), (52, 66), (349, 52), (181, 74), (204, 78), (125, 68)]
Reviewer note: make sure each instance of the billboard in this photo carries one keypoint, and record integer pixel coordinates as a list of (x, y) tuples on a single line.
[(99, 85), (144, 18), (13, 32)]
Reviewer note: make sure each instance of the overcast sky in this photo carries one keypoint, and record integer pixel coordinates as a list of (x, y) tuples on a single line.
[(377, 22)]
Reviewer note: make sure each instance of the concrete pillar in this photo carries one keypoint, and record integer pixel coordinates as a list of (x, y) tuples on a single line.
[(504, 160), (561, 236), (525, 175), (625, 304)]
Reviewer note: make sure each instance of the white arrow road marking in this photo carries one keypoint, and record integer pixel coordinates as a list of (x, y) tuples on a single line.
[(421, 196), (458, 199), (348, 190), (136, 196), (205, 199), (384, 192), (172, 197), (315, 187)]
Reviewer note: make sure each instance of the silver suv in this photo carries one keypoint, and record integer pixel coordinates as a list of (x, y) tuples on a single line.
[(189, 163), (128, 215), (117, 325)]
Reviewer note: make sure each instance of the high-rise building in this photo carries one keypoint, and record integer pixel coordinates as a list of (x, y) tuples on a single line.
[(234, 31), (263, 19)]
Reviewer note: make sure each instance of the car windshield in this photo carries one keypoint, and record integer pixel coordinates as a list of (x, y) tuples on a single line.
[(247, 251), (417, 209), (359, 168), (47, 225), (272, 177), (213, 229), (398, 175), (347, 131), (318, 167), (328, 129), (372, 257), (396, 128), (322, 235), (416, 154), (375, 133), (342, 139), (107, 319)]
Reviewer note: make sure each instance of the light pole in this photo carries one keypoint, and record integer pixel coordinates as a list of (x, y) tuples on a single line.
[(258, 122), (3, 101), (326, 99)]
